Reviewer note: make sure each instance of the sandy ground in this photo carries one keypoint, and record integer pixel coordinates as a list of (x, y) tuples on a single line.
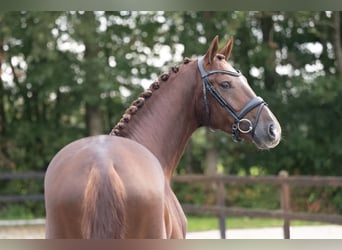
[(299, 232), (22, 232), (36, 230)]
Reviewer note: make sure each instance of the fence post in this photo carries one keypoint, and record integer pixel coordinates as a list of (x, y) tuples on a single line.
[(285, 202), (221, 203)]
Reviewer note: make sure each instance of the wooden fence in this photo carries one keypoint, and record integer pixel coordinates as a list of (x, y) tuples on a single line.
[(21, 176), (283, 181)]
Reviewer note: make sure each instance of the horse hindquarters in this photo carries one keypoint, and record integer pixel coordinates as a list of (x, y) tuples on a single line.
[(84, 196), (87, 204), (104, 187)]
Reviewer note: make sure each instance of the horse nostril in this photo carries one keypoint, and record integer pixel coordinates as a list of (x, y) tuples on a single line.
[(272, 131)]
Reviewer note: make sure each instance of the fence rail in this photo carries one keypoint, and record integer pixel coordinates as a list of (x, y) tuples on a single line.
[(220, 210), (282, 180), (273, 180), (26, 175)]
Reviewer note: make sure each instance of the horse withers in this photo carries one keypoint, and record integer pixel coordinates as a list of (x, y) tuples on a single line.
[(118, 185)]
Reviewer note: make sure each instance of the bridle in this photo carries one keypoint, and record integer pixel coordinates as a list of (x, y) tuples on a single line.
[(238, 116)]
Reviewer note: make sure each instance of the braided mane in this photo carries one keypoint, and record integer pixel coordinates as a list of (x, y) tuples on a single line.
[(140, 101)]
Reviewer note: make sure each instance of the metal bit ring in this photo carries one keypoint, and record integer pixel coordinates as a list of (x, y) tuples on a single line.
[(249, 124)]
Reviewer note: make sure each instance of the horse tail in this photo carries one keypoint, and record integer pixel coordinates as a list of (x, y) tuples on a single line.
[(103, 208)]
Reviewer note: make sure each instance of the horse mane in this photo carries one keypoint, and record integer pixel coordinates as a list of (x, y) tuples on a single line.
[(140, 101)]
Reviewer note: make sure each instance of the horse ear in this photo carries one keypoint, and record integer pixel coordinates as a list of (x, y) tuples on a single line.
[(226, 51), (212, 51)]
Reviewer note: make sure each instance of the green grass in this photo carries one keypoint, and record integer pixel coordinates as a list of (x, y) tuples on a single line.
[(15, 212), (197, 223)]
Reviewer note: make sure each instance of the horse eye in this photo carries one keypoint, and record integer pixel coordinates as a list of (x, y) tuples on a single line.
[(225, 85)]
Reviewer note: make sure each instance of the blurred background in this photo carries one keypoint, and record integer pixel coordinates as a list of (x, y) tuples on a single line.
[(67, 75)]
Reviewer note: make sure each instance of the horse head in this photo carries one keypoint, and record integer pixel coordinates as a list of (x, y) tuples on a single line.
[(229, 104)]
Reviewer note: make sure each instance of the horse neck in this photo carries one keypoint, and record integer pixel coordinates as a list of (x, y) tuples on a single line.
[(167, 119)]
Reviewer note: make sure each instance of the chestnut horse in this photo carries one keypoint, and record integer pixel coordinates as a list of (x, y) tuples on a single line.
[(118, 185)]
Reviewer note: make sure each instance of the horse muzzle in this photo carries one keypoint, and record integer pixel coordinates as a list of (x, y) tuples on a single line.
[(267, 134)]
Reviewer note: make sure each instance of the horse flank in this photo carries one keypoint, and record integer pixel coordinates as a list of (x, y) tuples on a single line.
[(140, 101)]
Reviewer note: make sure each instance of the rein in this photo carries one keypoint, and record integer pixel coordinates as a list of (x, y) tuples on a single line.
[(238, 116)]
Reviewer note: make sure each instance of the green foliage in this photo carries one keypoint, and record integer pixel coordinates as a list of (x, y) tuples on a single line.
[(336, 197), (17, 211), (192, 193), (253, 196), (246, 196)]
